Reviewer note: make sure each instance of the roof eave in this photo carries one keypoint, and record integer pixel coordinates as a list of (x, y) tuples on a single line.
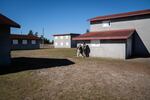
[(80, 39), (65, 34), (15, 26), (116, 16)]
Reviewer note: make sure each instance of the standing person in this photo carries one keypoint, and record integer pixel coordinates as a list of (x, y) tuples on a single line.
[(79, 51), (84, 49), (87, 51)]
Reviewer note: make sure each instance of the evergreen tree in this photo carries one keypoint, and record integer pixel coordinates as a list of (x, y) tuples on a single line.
[(36, 34), (30, 32)]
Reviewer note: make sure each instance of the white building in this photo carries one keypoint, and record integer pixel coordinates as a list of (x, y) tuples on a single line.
[(65, 40), (119, 35)]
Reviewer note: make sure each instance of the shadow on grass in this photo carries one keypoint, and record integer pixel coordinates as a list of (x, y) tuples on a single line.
[(25, 63)]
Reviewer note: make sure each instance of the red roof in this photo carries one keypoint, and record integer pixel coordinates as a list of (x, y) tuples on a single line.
[(106, 35), (121, 15), (28, 37), (6, 21), (66, 34)]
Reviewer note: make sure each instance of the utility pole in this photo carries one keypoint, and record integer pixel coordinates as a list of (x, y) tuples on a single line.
[(43, 37)]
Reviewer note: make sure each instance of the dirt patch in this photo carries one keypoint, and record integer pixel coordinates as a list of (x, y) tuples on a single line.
[(86, 79)]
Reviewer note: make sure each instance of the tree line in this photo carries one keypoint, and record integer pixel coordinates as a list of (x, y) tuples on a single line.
[(42, 38)]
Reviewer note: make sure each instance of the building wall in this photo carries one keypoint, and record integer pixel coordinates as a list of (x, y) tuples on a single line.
[(5, 46), (62, 41), (141, 41), (73, 42), (21, 46), (108, 49), (129, 47)]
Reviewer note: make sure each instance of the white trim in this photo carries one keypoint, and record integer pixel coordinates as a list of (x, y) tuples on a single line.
[(106, 24), (56, 37), (67, 37)]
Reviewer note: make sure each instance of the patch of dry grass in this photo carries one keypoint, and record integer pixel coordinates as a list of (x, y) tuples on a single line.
[(45, 53), (87, 79)]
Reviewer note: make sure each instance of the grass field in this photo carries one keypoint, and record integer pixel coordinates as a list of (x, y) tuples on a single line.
[(57, 74)]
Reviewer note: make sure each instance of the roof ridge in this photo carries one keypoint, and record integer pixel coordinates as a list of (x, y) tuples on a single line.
[(120, 15)]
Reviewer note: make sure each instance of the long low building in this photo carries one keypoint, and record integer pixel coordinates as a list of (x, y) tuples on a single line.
[(23, 42), (120, 36)]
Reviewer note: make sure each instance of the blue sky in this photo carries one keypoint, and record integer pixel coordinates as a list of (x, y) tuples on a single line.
[(63, 16)]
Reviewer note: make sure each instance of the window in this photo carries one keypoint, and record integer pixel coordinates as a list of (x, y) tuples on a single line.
[(95, 43), (106, 24), (61, 37), (33, 42), (61, 44), (56, 43), (15, 41), (56, 37), (24, 41), (67, 43), (67, 37)]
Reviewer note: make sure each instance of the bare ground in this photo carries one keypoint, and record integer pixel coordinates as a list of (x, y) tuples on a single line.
[(84, 79)]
